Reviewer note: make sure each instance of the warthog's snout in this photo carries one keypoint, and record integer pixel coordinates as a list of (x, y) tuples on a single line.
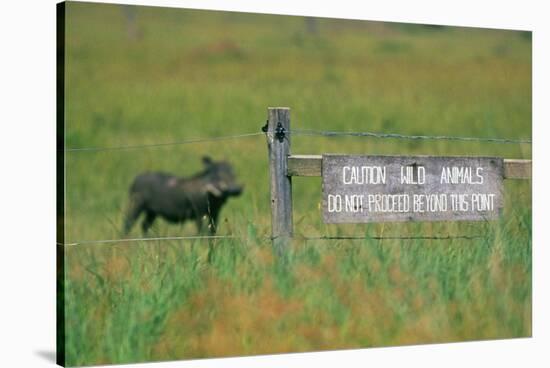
[(235, 190)]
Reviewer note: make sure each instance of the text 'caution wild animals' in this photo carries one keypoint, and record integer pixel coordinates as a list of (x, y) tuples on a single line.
[(411, 188)]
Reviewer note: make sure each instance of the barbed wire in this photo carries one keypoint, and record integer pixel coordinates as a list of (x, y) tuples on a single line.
[(305, 132), (446, 237), (127, 240), (297, 237), (154, 145), (311, 132)]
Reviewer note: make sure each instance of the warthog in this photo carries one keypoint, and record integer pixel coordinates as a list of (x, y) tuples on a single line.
[(177, 199)]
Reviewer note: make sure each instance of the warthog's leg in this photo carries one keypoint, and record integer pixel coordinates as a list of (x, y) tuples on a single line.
[(132, 214), (148, 221), (198, 222), (212, 223)]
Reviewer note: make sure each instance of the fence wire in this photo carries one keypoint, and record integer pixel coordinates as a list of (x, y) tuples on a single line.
[(306, 132), (446, 237), (154, 145), (297, 237), (130, 240), (325, 133), (303, 132)]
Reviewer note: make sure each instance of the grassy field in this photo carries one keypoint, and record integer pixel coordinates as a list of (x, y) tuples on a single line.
[(163, 75)]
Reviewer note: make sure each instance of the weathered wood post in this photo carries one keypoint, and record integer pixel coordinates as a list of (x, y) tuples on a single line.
[(278, 143)]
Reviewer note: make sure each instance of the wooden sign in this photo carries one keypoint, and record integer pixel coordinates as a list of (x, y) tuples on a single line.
[(358, 188)]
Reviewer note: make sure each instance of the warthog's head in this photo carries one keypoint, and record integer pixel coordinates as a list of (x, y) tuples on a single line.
[(221, 181)]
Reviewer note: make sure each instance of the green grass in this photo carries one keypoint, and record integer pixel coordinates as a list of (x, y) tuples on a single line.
[(192, 74)]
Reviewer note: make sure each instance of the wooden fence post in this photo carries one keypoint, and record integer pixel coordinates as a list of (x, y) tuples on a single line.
[(278, 143)]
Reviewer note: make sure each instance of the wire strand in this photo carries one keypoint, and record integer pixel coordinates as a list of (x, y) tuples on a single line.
[(154, 145), (298, 237), (305, 132), (128, 240), (447, 237), (311, 132)]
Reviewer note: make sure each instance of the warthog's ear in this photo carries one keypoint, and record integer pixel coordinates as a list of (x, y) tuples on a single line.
[(207, 161), (210, 188)]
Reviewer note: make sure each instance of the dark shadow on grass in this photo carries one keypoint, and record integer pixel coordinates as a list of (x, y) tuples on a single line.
[(48, 355)]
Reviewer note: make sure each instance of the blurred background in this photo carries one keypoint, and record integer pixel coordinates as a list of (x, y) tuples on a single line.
[(146, 75)]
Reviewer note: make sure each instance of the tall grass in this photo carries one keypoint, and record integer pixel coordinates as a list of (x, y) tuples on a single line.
[(187, 74), (175, 300)]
